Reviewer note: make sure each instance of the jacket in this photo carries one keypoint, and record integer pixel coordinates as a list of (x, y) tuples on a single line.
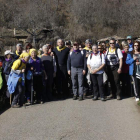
[(130, 61)]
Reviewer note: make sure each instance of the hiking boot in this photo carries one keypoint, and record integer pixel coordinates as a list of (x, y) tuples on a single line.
[(103, 99), (84, 96), (109, 97), (118, 97), (80, 98), (15, 106), (74, 97), (95, 98)]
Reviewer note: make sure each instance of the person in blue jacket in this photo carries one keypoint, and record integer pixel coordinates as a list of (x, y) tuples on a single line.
[(133, 61)]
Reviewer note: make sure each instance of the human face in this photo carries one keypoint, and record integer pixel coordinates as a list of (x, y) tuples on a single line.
[(136, 46), (28, 49), (112, 44), (60, 43), (100, 49), (75, 46), (129, 41), (33, 54), (126, 49), (88, 45), (8, 56), (26, 59), (104, 46), (45, 50), (19, 49), (95, 49)]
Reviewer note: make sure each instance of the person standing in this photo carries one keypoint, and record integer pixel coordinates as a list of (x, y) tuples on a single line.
[(49, 64), (114, 61), (130, 43), (18, 51), (96, 63), (16, 80), (76, 66), (133, 60), (61, 54), (87, 51)]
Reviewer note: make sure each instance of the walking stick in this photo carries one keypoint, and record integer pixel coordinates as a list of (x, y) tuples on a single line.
[(32, 90), (10, 99)]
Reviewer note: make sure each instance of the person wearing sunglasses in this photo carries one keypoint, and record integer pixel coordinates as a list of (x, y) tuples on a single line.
[(134, 68), (76, 66), (114, 61)]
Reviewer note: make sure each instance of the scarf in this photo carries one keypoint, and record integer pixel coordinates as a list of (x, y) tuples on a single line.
[(60, 49), (88, 49), (8, 59), (18, 54), (112, 51), (76, 50)]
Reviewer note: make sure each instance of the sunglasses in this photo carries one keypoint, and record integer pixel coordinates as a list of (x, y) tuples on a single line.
[(99, 48), (75, 44), (112, 43), (136, 45)]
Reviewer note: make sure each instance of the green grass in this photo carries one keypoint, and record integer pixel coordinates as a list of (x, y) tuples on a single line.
[(139, 103)]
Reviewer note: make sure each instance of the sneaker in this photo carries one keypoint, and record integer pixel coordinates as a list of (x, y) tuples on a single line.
[(118, 97), (80, 98), (109, 97), (15, 106), (95, 98), (103, 99), (137, 99), (41, 102), (74, 97)]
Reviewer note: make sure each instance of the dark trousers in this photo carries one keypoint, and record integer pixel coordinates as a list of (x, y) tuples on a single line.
[(18, 94), (77, 80), (38, 86), (62, 80), (28, 88), (48, 87), (98, 87), (126, 85), (114, 79), (136, 84)]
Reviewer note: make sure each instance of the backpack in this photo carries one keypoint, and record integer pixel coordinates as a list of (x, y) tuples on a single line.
[(7, 67), (100, 56), (116, 52)]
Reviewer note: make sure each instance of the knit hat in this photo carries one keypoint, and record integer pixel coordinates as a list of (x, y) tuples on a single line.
[(32, 50), (25, 54)]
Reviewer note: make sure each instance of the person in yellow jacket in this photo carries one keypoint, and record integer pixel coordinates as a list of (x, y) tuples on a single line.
[(19, 67)]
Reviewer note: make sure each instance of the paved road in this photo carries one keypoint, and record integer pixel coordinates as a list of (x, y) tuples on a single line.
[(73, 120)]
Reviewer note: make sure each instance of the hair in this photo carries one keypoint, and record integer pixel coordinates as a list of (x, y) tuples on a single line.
[(113, 40), (45, 46), (19, 45), (94, 46), (28, 46), (61, 40), (138, 46)]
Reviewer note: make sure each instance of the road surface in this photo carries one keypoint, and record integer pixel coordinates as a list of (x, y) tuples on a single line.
[(73, 120)]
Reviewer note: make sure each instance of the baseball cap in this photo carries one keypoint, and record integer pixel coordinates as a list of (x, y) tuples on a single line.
[(129, 37), (8, 52)]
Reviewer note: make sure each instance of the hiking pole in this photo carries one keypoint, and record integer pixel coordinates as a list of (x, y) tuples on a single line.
[(24, 91), (10, 99), (32, 90)]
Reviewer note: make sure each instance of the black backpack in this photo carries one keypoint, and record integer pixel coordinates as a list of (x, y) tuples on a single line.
[(7, 67)]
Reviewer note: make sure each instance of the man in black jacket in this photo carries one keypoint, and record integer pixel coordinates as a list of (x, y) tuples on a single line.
[(76, 66), (61, 53)]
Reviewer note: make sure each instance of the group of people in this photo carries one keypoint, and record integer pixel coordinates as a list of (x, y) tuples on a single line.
[(106, 72)]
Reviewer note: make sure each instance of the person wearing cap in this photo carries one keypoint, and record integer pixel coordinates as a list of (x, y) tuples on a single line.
[(129, 41), (35, 65), (7, 64), (49, 63), (76, 66), (18, 51), (61, 53), (16, 80), (87, 51)]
